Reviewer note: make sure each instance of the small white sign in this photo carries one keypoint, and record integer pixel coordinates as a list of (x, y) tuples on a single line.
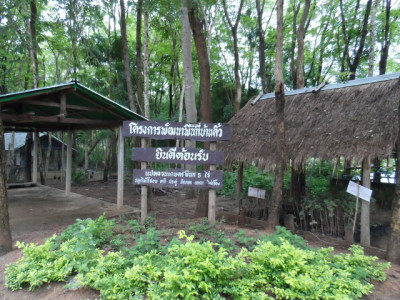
[(257, 193), (363, 192)]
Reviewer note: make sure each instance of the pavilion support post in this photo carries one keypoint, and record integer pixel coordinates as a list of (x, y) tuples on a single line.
[(69, 164), (239, 185), (143, 198), (36, 145), (212, 194), (121, 156), (365, 207)]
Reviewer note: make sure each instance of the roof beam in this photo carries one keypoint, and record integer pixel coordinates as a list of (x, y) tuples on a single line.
[(66, 90), (99, 105), (30, 117), (67, 106)]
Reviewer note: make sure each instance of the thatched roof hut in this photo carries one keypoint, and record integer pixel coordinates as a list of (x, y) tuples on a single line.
[(353, 120)]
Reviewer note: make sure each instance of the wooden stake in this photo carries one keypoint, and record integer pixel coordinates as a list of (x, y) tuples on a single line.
[(212, 193), (356, 210), (143, 198)]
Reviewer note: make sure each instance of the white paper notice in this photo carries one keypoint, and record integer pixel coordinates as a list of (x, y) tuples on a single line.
[(257, 193), (363, 192)]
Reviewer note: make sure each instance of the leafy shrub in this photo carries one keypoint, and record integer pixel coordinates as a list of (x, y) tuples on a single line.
[(280, 266), (78, 176), (282, 234)]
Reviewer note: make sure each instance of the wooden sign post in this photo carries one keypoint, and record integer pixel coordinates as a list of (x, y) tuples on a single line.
[(143, 194), (360, 192), (211, 179), (212, 193)]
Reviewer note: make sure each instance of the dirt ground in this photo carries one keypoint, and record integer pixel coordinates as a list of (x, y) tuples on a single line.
[(39, 212)]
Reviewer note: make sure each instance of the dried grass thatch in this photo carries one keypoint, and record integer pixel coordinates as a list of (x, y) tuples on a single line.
[(349, 120)]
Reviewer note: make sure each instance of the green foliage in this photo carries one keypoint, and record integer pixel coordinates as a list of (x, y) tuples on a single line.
[(282, 234), (243, 239), (78, 176), (147, 242), (203, 231), (135, 226), (252, 177), (75, 250), (279, 266)]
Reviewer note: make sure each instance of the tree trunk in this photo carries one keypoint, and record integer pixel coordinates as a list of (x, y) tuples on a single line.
[(41, 163), (48, 153), (90, 150), (261, 45), (292, 65), (234, 28), (189, 84), (33, 43), (298, 183), (139, 81), (393, 248), (301, 31), (125, 50), (11, 159), (277, 192), (353, 65), (28, 156), (372, 29), (239, 185), (365, 205), (5, 232), (386, 41), (146, 65), (107, 159), (196, 25)]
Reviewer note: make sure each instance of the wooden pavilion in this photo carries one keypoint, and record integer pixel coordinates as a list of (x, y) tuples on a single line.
[(65, 107)]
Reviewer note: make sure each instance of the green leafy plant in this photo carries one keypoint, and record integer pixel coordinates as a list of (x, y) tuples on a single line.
[(279, 266)]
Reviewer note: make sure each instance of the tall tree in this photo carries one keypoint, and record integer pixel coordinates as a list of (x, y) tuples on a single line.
[(31, 24), (261, 43), (277, 192), (196, 24), (301, 32), (234, 29), (139, 64), (189, 83), (125, 49), (359, 47), (386, 40), (146, 64), (393, 247), (298, 181), (5, 232), (372, 37)]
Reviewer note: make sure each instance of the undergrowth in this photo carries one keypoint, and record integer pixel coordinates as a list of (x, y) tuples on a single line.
[(129, 261)]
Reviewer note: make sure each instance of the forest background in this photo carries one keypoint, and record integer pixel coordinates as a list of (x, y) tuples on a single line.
[(49, 42)]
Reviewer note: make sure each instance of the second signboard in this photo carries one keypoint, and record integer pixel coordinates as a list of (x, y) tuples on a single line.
[(178, 155)]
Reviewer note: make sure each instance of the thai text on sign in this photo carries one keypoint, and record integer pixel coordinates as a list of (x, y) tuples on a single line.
[(178, 155), (177, 130), (359, 190), (178, 178)]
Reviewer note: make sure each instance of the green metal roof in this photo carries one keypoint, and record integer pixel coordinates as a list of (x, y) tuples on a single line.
[(67, 106)]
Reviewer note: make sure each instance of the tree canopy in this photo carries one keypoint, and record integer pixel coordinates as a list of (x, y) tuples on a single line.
[(81, 39)]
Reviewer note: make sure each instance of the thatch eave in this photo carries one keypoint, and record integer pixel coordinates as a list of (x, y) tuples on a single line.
[(352, 121)]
